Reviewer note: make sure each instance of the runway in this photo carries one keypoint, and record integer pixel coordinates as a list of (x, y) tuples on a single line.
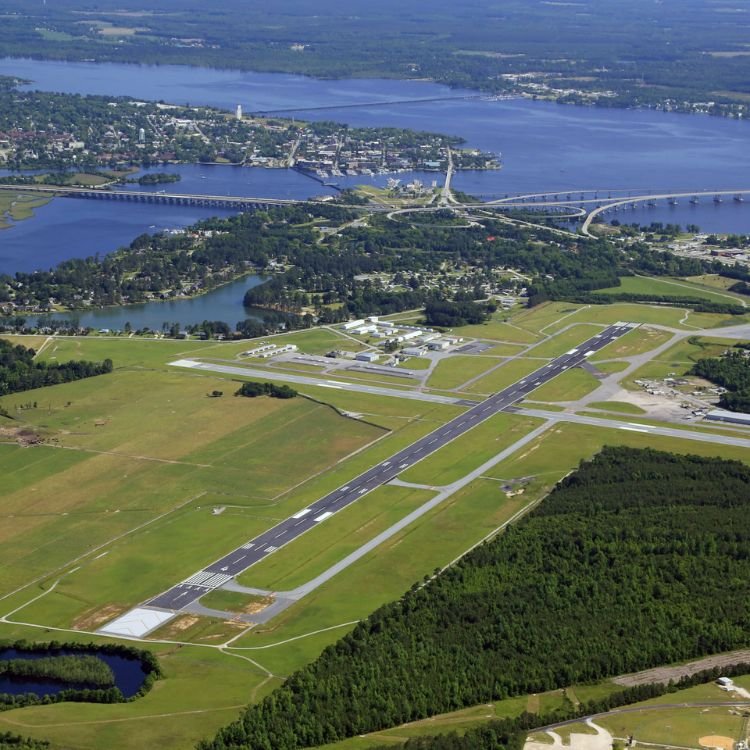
[(255, 550)]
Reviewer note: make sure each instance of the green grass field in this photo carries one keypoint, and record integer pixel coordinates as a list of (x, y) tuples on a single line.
[(434, 540), (638, 341), (330, 541), (568, 386), (452, 372), (466, 453), (669, 287), (564, 341), (507, 374)]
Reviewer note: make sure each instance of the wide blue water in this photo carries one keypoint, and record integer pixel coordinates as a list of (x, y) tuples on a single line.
[(128, 673), (545, 147)]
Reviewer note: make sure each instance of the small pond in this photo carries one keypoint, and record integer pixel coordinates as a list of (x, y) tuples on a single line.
[(129, 675)]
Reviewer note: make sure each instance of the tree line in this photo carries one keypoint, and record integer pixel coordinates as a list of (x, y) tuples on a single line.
[(19, 371)]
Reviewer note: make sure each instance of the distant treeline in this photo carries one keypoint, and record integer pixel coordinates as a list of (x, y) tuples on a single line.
[(19, 371), (698, 304), (641, 556)]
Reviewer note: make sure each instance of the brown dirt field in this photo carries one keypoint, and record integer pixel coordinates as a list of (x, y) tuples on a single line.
[(93, 618), (716, 740), (665, 674)]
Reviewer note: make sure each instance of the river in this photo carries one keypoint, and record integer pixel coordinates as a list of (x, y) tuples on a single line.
[(545, 147)]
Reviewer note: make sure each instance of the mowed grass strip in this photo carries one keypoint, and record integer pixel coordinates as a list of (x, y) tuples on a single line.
[(452, 372), (570, 385), (461, 456), (637, 341), (389, 570), (333, 539), (508, 373)]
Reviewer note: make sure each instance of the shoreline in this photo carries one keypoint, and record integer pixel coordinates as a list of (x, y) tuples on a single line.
[(123, 306)]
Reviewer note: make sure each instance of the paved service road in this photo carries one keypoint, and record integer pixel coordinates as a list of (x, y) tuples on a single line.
[(256, 549)]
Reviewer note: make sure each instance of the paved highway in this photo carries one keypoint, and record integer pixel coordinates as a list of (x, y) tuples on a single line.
[(240, 559)]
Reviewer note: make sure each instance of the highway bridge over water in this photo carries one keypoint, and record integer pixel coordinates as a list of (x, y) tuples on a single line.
[(588, 208)]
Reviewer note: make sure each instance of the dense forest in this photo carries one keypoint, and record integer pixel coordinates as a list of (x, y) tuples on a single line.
[(671, 54), (637, 559), (731, 371), (19, 371)]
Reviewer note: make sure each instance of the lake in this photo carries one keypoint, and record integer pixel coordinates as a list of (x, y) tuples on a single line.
[(544, 146), (128, 673), (223, 303)]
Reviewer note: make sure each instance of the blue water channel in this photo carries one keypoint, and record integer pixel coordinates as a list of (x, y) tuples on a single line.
[(128, 673), (544, 146)]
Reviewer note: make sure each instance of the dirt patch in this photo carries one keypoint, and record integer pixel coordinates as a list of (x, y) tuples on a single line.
[(665, 674), (258, 605), (24, 436), (716, 740), (183, 623), (94, 618)]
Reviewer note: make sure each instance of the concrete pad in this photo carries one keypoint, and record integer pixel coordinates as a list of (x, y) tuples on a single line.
[(137, 623)]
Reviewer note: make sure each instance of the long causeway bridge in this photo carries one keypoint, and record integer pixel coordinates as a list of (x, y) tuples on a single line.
[(142, 196)]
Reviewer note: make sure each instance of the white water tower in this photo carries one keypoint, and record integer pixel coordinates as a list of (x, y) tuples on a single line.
[(238, 112)]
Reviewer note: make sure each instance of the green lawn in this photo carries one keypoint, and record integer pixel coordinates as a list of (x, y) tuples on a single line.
[(331, 540), (452, 372), (433, 540), (505, 375), (568, 386), (619, 406), (466, 453), (638, 341), (563, 342)]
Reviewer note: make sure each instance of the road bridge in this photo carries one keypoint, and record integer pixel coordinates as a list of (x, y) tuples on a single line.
[(142, 196)]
